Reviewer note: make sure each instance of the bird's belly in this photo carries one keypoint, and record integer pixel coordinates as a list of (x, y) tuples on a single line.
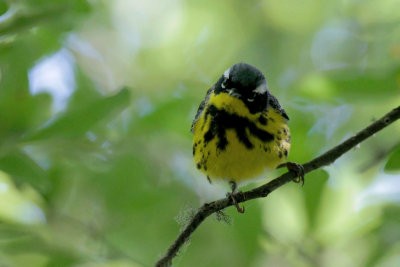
[(236, 162)]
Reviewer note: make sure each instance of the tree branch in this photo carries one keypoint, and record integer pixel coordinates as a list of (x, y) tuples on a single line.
[(325, 159)]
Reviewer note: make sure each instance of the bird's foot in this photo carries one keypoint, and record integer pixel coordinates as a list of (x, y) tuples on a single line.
[(298, 170), (231, 195), (239, 209)]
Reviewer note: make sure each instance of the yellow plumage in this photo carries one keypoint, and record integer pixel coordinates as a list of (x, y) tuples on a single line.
[(247, 152)]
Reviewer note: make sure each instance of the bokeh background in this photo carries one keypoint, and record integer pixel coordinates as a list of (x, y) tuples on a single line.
[(96, 103)]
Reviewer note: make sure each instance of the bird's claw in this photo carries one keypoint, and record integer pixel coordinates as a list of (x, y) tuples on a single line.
[(239, 209), (298, 170)]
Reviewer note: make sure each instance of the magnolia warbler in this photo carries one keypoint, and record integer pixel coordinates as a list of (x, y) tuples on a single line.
[(240, 129)]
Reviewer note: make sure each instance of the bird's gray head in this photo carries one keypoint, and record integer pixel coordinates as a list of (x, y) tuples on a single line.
[(246, 79), (247, 83)]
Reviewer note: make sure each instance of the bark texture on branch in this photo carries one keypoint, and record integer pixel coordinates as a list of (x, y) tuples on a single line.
[(262, 191)]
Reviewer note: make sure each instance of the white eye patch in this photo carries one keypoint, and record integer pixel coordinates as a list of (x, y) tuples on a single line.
[(227, 73), (262, 88), (226, 76)]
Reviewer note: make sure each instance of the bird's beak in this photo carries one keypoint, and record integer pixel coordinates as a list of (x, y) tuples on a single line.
[(233, 92)]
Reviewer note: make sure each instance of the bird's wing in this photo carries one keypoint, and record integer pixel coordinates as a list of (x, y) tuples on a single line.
[(274, 103), (202, 105)]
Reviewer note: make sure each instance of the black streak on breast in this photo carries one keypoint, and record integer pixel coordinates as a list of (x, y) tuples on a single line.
[(221, 121), (262, 120)]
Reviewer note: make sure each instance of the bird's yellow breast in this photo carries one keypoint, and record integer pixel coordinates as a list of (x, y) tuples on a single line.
[(231, 143)]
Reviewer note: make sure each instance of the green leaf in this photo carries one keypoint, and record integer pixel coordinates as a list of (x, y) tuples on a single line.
[(393, 164), (78, 122), (3, 7), (24, 169)]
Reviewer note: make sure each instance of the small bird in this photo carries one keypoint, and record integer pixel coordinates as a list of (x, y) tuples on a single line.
[(240, 130)]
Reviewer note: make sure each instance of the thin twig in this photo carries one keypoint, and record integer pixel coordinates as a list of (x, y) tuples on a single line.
[(325, 159)]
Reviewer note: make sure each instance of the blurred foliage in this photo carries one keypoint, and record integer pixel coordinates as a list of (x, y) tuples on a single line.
[(393, 164), (96, 102)]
